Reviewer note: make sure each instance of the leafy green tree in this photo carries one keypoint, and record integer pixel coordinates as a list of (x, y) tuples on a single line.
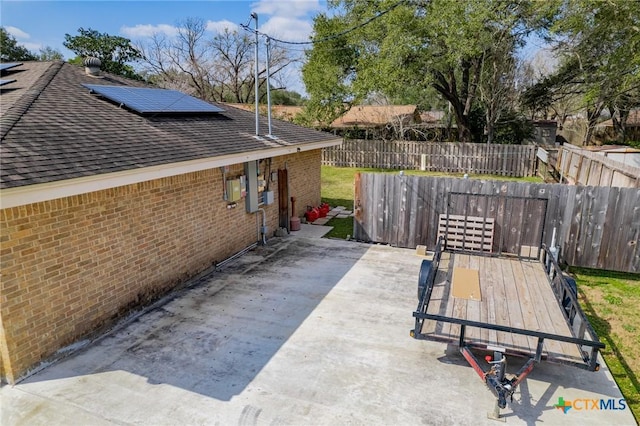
[(600, 46), (328, 71), (399, 48), (286, 97), (48, 53), (11, 51), (114, 52)]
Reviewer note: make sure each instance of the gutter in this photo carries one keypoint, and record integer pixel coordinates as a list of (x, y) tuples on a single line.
[(28, 194)]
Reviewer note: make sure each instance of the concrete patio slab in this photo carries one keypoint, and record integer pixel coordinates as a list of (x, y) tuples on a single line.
[(308, 230), (301, 331), (321, 221)]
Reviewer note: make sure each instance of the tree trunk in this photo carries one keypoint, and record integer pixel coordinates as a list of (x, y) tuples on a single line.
[(490, 132), (592, 117), (447, 87), (464, 128)]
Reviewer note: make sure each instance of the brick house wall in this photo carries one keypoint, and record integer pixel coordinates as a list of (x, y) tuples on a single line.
[(73, 266)]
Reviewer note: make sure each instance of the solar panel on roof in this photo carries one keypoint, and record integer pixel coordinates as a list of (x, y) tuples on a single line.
[(153, 101), (9, 65), (3, 82)]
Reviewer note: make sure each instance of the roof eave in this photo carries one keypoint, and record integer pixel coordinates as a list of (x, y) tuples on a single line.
[(28, 194)]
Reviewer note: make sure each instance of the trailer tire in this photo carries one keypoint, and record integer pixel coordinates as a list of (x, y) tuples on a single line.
[(423, 278)]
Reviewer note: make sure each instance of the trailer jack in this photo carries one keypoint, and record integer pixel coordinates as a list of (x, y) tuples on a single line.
[(501, 387)]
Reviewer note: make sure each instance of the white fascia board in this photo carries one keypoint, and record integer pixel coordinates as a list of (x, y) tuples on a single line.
[(23, 195)]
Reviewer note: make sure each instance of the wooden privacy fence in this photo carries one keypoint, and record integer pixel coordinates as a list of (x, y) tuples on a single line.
[(596, 227), (454, 157), (589, 168)]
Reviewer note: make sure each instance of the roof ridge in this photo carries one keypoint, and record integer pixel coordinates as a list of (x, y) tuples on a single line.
[(22, 105)]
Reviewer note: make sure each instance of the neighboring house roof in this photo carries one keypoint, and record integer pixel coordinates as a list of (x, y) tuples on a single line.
[(54, 131), (286, 112), (375, 115)]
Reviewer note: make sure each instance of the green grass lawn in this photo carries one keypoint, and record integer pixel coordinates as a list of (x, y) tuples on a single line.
[(611, 300)]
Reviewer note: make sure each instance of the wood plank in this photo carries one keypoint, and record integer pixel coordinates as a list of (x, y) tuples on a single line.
[(566, 351), (607, 237), (459, 305), (536, 283), (488, 307), (527, 303), (499, 298), (511, 305), (627, 229), (474, 307)]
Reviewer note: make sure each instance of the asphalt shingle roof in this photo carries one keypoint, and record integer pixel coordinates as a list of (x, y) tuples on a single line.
[(54, 129)]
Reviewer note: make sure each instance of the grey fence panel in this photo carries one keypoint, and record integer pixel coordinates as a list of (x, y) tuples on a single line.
[(595, 227)]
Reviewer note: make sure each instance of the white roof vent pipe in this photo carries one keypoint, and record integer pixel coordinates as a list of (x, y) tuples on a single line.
[(92, 66)]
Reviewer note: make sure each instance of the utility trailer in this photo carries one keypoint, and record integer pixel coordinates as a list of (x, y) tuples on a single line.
[(506, 304)]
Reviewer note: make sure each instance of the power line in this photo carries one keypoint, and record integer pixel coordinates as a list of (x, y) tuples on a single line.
[(331, 37)]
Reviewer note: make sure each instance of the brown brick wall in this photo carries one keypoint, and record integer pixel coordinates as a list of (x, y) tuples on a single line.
[(74, 265)]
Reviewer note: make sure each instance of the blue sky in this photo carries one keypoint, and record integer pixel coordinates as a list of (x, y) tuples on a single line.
[(36, 24)]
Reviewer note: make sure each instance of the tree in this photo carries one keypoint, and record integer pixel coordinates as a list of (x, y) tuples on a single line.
[(114, 52), (11, 51), (497, 82), (600, 46), (286, 97), (218, 68), (328, 71), (408, 47), (48, 53)]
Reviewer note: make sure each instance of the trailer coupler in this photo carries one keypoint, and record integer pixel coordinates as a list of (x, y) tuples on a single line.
[(501, 387)]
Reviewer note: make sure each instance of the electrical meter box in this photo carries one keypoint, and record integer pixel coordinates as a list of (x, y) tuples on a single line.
[(234, 190), (267, 197)]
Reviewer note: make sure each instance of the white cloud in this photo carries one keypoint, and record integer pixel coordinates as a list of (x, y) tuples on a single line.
[(286, 8), (143, 31), (289, 29), (33, 47), (220, 26), (17, 33)]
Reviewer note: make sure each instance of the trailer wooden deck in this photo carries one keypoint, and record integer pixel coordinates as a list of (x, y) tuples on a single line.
[(514, 293)]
